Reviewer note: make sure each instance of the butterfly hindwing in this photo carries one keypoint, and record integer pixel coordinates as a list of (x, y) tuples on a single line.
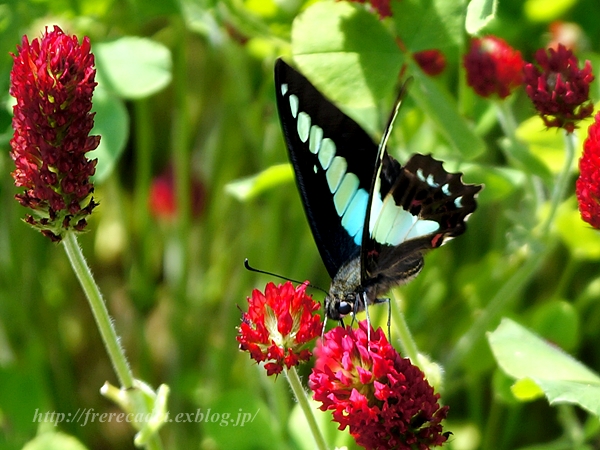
[(417, 208), (334, 162)]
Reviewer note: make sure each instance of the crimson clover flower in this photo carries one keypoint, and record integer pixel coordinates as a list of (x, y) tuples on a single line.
[(53, 80), (493, 67), (384, 400), (558, 89), (278, 324), (587, 187), (432, 62)]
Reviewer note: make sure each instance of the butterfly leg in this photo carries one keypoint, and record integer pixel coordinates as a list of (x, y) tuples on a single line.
[(364, 299), (324, 325)]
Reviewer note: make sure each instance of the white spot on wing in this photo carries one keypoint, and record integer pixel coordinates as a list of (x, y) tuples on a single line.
[(303, 126), (294, 105)]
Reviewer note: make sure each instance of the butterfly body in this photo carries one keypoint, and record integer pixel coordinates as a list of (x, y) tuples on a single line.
[(372, 218)]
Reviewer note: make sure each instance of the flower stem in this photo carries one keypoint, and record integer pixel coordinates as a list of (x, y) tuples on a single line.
[(98, 307), (106, 328), (562, 182), (300, 393), (407, 342)]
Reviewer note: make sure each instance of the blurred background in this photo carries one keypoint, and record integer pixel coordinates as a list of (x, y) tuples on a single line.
[(193, 178)]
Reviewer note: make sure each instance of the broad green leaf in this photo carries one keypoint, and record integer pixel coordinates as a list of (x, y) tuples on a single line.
[(578, 236), (439, 105), (54, 441), (479, 14), (112, 124), (133, 67), (429, 24), (525, 356), (248, 188), (346, 52)]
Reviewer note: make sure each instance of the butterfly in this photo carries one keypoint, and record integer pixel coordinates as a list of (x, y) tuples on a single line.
[(372, 219)]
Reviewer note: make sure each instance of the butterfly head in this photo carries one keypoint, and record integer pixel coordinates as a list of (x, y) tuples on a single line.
[(338, 307), (345, 294)]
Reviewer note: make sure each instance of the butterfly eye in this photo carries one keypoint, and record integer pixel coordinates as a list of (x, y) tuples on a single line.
[(344, 308)]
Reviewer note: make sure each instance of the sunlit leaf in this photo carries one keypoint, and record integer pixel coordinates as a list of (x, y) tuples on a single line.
[(429, 24), (479, 14), (133, 67), (346, 52), (563, 379)]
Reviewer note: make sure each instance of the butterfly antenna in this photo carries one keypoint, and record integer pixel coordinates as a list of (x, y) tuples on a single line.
[(254, 269), (390, 123)]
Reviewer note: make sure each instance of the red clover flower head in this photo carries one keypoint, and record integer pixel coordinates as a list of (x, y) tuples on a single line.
[(52, 81), (384, 400), (278, 324), (493, 67), (558, 89), (587, 187)]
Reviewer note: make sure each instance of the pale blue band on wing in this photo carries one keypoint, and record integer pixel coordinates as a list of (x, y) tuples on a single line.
[(349, 200)]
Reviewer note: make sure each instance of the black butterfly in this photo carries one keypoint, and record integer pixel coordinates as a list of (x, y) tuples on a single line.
[(371, 218)]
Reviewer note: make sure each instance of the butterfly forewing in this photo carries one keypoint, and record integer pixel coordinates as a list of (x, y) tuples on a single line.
[(334, 162)]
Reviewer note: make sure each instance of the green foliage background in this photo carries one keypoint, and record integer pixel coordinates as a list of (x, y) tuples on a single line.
[(187, 86)]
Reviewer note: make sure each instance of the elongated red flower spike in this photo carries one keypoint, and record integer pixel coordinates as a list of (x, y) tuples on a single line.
[(277, 326), (53, 80), (382, 398)]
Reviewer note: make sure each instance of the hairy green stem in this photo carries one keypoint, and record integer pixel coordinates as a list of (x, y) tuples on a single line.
[(106, 327), (98, 307)]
